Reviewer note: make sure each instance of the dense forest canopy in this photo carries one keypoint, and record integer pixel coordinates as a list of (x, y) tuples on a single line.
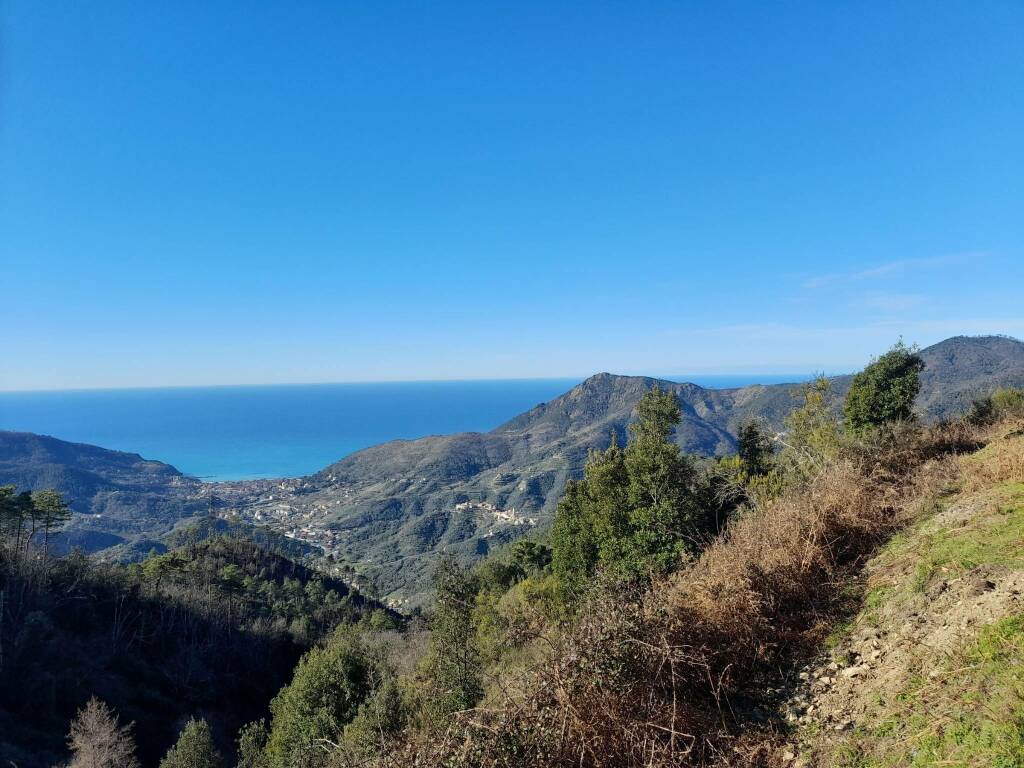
[(213, 627)]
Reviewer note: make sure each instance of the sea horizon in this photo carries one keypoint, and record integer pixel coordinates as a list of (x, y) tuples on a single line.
[(745, 378), (220, 433)]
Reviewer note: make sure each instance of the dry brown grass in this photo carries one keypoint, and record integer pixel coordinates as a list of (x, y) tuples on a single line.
[(1002, 461), (673, 677)]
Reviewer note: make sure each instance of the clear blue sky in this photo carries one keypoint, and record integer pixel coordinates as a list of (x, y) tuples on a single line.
[(214, 192)]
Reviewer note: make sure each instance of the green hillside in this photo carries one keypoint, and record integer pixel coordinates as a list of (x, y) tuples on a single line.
[(215, 626)]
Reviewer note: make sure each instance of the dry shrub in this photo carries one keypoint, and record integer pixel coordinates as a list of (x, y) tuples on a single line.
[(673, 677), (761, 585), (1003, 463)]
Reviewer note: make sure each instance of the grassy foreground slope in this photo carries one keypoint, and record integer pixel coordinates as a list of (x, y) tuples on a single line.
[(931, 670)]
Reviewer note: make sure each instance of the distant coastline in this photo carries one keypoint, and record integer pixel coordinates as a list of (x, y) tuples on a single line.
[(222, 433)]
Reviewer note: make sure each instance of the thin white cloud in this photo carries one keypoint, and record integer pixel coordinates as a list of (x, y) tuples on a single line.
[(798, 347), (900, 266)]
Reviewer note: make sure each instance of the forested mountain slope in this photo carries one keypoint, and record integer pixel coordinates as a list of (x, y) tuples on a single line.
[(213, 627), (117, 496)]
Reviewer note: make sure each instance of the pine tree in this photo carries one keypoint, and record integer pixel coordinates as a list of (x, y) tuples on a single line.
[(50, 512), (590, 515), (754, 448), (663, 517), (635, 511), (454, 660), (16, 513), (252, 738), (194, 748), (8, 510)]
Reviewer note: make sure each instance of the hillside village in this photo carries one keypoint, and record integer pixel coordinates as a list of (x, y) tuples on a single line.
[(295, 508)]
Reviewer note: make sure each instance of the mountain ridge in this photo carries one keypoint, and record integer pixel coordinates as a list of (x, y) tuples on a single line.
[(391, 508)]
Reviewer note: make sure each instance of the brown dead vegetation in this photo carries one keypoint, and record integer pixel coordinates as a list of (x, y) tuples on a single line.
[(683, 674), (1003, 462)]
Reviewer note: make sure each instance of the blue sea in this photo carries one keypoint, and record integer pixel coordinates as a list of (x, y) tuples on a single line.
[(245, 432)]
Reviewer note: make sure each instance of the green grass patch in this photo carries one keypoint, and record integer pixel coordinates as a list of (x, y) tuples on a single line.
[(971, 715), (996, 538), (839, 633)]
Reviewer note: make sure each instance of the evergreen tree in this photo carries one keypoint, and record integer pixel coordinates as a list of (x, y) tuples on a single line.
[(663, 516), (590, 514), (380, 717), (754, 448), (194, 748), (635, 511), (531, 555), (8, 507), (252, 738), (885, 390), (454, 660), (97, 740), (310, 713), (50, 512), (16, 515)]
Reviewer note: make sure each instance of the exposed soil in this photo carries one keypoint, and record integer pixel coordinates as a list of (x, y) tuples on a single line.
[(914, 622)]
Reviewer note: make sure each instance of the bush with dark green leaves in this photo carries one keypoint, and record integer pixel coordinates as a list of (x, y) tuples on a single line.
[(885, 390)]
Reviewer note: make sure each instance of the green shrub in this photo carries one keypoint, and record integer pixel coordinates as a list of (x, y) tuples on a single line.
[(380, 716), (329, 685), (1008, 401), (1005, 401), (885, 390), (194, 748), (453, 664), (813, 436)]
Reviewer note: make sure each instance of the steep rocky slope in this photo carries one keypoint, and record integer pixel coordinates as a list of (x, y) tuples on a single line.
[(931, 670)]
